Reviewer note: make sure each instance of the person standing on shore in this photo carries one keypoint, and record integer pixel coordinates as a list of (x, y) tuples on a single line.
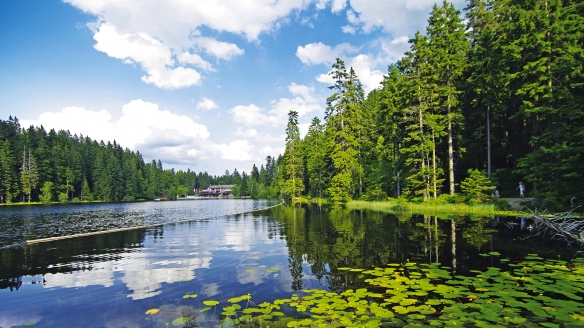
[(521, 190)]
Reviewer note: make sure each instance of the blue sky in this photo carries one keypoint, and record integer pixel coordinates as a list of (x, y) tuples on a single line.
[(204, 85)]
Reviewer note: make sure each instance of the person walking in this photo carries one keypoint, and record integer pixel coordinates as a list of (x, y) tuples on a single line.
[(521, 190)]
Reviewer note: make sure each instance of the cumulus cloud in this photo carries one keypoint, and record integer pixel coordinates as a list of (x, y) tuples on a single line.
[(253, 134), (363, 65), (348, 29), (338, 5), (206, 104), (400, 17), (152, 33), (218, 49), (320, 53), (395, 48), (154, 57), (304, 102), (249, 115), (190, 58)]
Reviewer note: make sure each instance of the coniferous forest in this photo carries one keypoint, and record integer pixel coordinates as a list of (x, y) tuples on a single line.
[(36, 165), (489, 96), (495, 91)]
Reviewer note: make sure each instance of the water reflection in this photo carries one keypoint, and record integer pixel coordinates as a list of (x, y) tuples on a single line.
[(269, 254)]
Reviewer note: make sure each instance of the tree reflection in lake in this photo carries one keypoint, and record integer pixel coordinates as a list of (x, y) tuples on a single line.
[(269, 254), (330, 237)]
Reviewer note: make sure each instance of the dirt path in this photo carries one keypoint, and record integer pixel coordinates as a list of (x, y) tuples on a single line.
[(515, 202)]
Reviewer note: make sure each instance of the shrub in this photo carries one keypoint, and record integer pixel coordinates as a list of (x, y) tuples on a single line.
[(46, 195), (477, 186), (63, 197)]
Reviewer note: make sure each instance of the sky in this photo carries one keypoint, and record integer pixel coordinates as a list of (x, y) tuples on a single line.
[(204, 84)]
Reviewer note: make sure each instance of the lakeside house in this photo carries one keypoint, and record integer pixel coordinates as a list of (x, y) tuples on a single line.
[(219, 191)]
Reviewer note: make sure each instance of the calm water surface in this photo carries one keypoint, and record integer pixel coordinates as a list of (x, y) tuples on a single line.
[(111, 280)]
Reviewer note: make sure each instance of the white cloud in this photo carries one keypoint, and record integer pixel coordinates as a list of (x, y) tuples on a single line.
[(371, 78), (189, 58), (78, 121), (394, 49), (154, 57), (142, 121), (325, 78), (218, 49), (253, 134), (348, 29), (398, 17), (151, 33), (320, 53), (206, 104), (321, 4), (363, 65), (249, 115), (304, 102), (338, 5)]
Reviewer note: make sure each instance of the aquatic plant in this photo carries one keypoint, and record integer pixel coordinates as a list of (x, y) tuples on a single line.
[(533, 292)]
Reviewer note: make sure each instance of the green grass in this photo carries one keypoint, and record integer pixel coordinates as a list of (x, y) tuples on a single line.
[(428, 207)]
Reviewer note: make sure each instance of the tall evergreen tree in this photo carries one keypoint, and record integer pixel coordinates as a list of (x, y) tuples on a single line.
[(293, 185), (449, 46)]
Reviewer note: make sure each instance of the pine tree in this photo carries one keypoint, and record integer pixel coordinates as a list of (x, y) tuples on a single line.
[(342, 114), (315, 151), (448, 45), (7, 177), (293, 157)]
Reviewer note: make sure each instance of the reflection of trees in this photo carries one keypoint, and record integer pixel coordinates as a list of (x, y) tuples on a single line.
[(428, 237), (296, 244), (477, 233), (328, 238)]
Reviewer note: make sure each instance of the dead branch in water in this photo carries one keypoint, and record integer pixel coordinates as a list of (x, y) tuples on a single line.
[(560, 226)]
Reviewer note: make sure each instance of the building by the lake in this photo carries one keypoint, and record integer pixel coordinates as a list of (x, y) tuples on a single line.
[(217, 191)]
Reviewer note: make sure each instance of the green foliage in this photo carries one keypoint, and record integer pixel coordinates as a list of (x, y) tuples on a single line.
[(477, 186), (63, 197), (46, 195), (532, 292)]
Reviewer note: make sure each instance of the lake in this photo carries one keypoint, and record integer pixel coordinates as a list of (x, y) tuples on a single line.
[(202, 248)]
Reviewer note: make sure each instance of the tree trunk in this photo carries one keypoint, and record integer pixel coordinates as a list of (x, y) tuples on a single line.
[(489, 141), (450, 151)]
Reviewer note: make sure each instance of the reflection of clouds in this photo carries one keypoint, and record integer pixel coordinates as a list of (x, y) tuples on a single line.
[(211, 289), (242, 242), (145, 279), (104, 276), (16, 320)]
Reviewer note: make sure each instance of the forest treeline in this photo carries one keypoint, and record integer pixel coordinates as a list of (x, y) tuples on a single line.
[(36, 165), (489, 97), (495, 93)]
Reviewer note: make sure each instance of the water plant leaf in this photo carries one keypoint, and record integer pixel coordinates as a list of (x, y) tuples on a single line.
[(180, 321), (210, 303), (205, 309), (249, 270), (495, 253), (549, 324), (29, 323), (152, 311)]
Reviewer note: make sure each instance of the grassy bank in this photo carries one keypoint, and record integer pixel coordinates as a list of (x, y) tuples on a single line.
[(429, 207)]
